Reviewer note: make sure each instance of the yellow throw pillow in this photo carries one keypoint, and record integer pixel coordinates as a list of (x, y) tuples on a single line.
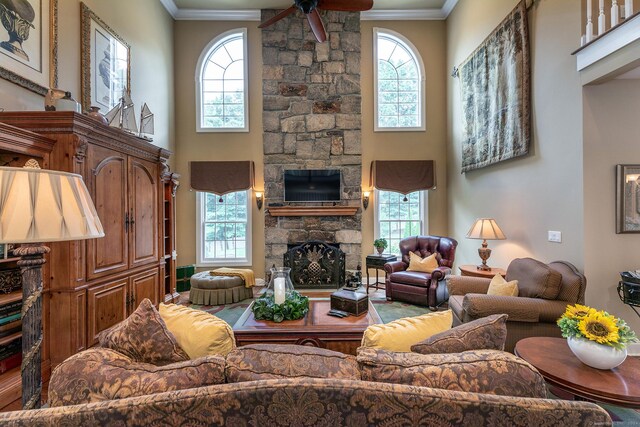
[(426, 265), (198, 332), (401, 334), (499, 286)]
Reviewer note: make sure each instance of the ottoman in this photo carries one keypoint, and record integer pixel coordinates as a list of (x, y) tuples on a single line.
[(217, 290)]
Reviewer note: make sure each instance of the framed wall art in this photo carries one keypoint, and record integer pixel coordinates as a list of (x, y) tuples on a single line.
[(627, 198), (105, 62), (29, 43)]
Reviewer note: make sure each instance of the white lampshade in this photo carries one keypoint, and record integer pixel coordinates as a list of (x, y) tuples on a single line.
[(486, 229), (58, 207)]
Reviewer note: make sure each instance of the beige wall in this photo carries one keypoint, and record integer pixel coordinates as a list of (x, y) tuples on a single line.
[(191, 37), (429, 38), (543, 191), (147, 27), (611, 129)]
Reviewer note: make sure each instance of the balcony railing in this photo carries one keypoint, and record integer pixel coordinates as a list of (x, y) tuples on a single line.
[(602, 16)]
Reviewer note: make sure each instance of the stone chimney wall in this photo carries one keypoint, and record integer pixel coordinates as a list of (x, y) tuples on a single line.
[(312, 120)]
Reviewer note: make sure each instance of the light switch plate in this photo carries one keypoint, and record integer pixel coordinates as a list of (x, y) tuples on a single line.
[(555, 236)]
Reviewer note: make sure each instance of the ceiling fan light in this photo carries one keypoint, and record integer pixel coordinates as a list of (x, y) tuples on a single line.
[(307, 5)]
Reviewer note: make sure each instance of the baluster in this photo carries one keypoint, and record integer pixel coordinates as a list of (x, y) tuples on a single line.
[(589, 29), (628, 8), (602, 20), (615, 13)]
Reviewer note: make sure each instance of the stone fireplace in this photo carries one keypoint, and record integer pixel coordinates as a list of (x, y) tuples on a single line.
[(312, 120)]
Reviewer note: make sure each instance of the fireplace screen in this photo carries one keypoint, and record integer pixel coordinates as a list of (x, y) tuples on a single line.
[(316, 265)]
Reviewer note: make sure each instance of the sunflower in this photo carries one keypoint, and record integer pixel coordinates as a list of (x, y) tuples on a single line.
[(599, 327), (578, 311)]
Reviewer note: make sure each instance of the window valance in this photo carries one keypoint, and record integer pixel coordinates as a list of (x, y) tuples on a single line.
[(403, 176), (222, 177)]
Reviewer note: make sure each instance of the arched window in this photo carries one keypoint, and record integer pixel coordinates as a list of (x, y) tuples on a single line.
[(221, 84), (399, 83)]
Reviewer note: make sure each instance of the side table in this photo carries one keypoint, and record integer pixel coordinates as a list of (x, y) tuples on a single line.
[(472, 270), (377, 262)]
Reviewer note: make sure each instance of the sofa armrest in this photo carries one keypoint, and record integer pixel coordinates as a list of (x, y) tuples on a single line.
[(392, 267), (519, 309), (440, 273), (462, 285)]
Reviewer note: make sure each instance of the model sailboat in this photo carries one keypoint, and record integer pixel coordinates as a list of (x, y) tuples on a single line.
[(123, 115), (146, 122)]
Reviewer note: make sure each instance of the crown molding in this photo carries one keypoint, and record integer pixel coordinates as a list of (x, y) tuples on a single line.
[(403, 15), (171, 7), (448, 6), (217, 15), (254, 14)]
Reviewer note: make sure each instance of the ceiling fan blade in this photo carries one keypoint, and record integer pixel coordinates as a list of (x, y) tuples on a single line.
[(345, 5), (278, 17), (317, 26)]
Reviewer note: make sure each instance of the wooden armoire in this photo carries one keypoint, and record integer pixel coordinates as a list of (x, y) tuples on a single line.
[(95, 284)]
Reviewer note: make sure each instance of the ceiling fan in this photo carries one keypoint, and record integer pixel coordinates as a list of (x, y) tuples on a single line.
[(310, 9)]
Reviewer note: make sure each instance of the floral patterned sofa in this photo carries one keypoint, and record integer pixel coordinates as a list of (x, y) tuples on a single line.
[(279, 386), (141, 376)]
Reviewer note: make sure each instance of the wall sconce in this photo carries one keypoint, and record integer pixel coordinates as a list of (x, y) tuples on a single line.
[(259, 200), (365, 199)]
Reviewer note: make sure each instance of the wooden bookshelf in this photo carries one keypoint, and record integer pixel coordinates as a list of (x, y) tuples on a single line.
[(10, 297)]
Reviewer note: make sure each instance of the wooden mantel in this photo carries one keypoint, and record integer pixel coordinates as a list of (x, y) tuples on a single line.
[(312, 210)]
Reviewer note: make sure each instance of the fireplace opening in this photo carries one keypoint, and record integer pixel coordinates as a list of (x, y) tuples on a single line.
[(316, 265)]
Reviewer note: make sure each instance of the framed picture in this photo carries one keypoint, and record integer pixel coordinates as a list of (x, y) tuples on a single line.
[(105, 62), (627, 198), (29, 43)]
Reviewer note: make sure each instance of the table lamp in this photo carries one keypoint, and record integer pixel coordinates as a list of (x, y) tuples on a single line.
[(485, 229), (37, 206)]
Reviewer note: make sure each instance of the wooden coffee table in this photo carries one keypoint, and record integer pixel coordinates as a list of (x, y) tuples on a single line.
[(562, 369), (316, 329)]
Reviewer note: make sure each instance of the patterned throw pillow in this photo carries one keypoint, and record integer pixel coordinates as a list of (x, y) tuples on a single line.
[(272, 361), (487, 333), (100, 374), (143, 337), (479, 371)]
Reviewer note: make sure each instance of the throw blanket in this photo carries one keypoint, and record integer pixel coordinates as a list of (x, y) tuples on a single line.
[(246, 274)]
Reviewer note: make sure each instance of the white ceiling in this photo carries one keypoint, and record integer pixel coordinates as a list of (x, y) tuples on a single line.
[(632, 74), (249, 10), (283, 4)]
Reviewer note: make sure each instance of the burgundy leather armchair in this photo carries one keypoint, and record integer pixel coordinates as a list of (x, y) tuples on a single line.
[(416, 287)]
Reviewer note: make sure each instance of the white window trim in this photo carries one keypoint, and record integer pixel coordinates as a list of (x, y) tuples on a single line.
[(423, 97), (206, 52), (424, 199), (230, 262)]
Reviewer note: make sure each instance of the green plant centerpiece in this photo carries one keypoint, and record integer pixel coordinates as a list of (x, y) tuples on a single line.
[(294, 307), (280, 301), (380, 245)]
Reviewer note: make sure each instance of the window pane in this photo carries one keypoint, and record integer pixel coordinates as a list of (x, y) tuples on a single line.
[(398, 83), (398, 219), (223, 96), (226, 227)]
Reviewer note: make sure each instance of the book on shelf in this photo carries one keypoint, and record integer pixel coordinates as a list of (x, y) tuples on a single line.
[(11, 325), (10, 318), (11, 308), (11, 331), (11, 348), (10, 362)]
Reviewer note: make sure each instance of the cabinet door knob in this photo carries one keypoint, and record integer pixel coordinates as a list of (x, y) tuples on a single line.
[(126, 223), (131, 220)]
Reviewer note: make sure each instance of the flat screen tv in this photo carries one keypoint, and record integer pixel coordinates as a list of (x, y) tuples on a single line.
[(312, 185)]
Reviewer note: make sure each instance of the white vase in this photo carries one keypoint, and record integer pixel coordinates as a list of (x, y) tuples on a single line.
[(596, 355)]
